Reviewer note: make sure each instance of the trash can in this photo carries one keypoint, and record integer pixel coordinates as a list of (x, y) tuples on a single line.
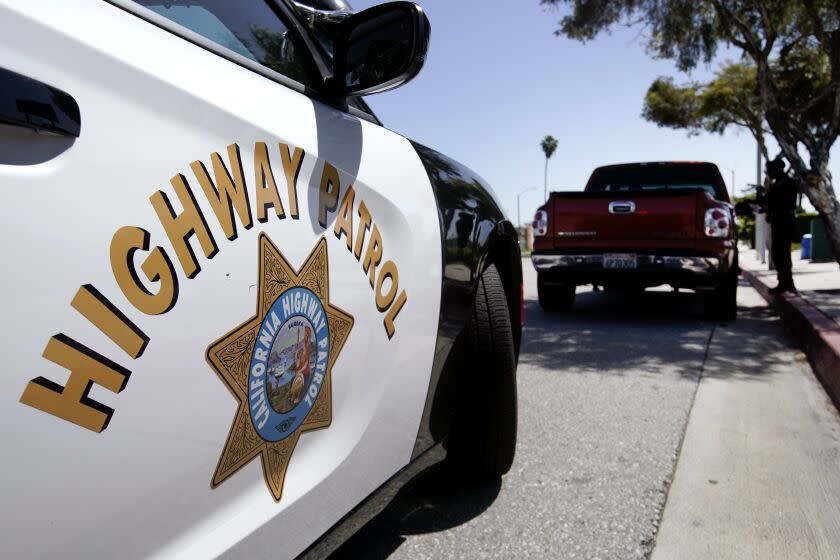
[(805, 252), (820, 250)]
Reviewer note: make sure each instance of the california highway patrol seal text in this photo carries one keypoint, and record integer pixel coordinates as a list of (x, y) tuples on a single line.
[(278, 364)]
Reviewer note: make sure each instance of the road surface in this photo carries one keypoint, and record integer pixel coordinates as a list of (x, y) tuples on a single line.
[(606, 394)]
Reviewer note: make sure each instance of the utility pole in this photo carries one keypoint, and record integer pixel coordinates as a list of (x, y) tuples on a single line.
[(733, 183), (734, 194), (757, 163), (760, 218)]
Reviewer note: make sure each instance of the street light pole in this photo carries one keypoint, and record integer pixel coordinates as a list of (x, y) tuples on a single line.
[(519, 194), (734, 193)]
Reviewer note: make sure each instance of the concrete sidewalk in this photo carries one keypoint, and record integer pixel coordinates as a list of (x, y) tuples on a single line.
[(758, 472), (758, 475), (811, 317), (818, 283)]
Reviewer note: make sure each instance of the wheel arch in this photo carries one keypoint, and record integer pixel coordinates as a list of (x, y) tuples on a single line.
[(474, 234)]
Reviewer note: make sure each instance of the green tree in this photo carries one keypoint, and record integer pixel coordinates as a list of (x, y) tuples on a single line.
[(549, 145), (730, 99), (787, 84)]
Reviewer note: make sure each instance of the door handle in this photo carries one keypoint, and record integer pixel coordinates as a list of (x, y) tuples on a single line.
[(32, 104)]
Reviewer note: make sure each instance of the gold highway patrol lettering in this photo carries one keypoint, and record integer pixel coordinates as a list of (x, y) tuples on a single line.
[(327, 203), (226, 190)]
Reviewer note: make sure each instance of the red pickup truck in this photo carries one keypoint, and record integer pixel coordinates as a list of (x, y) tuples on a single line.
[(640, 225)]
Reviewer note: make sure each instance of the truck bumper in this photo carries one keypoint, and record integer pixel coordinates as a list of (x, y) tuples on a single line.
[(698, 272)]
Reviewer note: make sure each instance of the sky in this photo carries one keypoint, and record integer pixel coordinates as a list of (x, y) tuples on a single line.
[(497, 80)]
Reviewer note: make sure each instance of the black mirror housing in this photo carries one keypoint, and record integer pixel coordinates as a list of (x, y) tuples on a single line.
[(379, 49)]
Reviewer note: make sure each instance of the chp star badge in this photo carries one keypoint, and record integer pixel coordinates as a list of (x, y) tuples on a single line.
[(278, 364)]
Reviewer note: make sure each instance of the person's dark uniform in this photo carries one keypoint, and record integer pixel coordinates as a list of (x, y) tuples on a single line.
[(780, 203)]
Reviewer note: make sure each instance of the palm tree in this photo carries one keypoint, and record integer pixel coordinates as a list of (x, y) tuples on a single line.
[(549, 144)]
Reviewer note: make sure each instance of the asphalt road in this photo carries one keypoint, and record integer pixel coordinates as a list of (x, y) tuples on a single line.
[(604, 399)]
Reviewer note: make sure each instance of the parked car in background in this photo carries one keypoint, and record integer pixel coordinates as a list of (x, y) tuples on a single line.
[(636, 226)]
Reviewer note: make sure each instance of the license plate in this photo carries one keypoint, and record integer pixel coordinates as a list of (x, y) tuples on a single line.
[(622, 261)]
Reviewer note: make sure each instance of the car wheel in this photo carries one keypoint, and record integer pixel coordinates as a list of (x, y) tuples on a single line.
[(483, 439), (722, 303), (555, 297)]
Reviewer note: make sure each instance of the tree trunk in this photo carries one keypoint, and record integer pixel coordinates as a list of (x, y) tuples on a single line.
[(815, 178), (819, 189), (545, 181)]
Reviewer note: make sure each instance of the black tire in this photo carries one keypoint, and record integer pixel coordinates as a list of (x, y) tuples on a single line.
[(555, 297), (722, 303), (482, 442)]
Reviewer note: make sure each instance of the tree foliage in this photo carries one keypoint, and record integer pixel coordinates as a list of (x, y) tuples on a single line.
[(549, 145), (731, 98), (787, 83), (673, 106)]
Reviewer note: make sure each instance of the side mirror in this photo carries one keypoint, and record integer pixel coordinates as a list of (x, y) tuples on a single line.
[(379, 48)]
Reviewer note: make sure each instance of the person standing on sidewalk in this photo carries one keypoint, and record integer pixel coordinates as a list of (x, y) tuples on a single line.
[(780, 203)]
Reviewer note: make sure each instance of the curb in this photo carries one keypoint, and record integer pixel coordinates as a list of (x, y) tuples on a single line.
[(816, 333)]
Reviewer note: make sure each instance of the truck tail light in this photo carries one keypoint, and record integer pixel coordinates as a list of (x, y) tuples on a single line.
[(540, 223), (717, 222)]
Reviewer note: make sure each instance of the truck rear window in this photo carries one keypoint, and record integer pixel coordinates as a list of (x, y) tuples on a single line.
[(656, 177)]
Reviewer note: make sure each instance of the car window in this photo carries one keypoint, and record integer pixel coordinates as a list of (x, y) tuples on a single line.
[(250, 28)]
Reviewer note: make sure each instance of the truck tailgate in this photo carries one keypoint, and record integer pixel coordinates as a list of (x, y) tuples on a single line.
[(631, 220)]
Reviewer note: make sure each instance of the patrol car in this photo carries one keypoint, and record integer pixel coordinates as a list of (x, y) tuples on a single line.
[(238, 312)]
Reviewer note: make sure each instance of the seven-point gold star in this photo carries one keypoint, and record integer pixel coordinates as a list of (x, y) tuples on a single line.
[(231, 355)]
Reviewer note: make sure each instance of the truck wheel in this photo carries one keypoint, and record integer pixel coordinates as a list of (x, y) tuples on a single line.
[(722, 303), (555, 297), (482, 442)]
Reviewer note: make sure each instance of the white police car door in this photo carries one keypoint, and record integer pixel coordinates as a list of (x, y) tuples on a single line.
[(220, 298)]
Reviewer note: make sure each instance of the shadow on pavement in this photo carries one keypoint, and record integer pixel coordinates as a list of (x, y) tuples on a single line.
[(825, 300), (655, 332), (433, 501), (651, 334)]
